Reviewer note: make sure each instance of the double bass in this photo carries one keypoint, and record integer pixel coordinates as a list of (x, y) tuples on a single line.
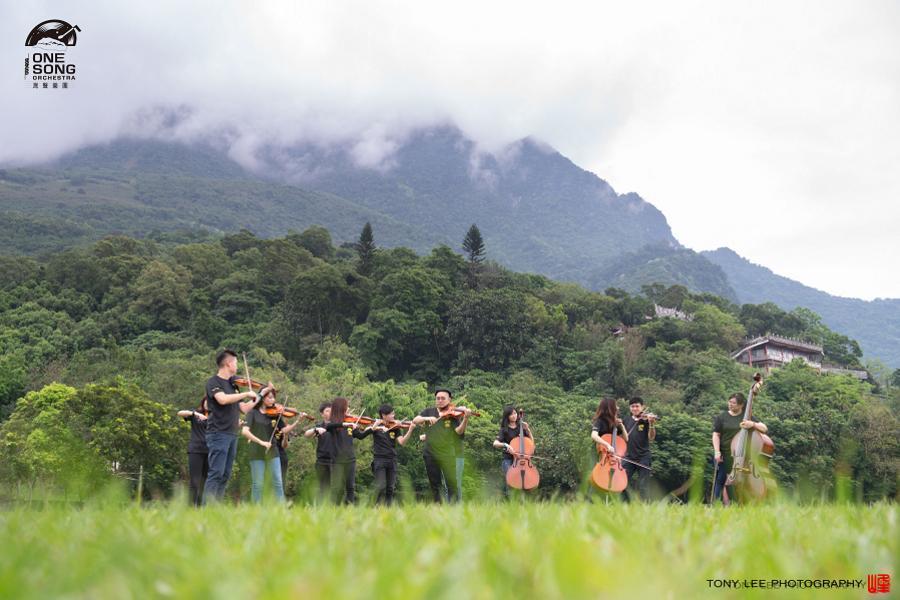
[(522, 475), (752, 452)]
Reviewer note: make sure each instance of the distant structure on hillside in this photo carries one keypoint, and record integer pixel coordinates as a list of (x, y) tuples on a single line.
[(770, 351), (662, 311)]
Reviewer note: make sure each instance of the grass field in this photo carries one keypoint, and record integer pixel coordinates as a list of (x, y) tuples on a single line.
[(577, 550)]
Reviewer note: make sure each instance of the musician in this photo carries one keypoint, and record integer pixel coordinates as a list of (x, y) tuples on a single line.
[(386, 434), (259, 429), (198, 453), (509, 431), (282, 441), (641, 428), (343, 470), (725, 426), (223, 423), (442, 437), (324, 450), (606, 420)]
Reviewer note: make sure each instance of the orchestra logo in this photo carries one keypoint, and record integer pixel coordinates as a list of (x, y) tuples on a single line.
[(48, 64)]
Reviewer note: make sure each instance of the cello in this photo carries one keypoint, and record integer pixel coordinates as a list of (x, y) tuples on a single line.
[(522, 475), (608, 474), (752, 452)]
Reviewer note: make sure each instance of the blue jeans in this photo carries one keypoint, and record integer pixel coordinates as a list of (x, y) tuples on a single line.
[(721, 474), (222, 448), (504, 467), (258, 474)]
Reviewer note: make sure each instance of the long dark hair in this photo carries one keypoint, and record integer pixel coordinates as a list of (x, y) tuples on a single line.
[(504, 420), (608, 411), (203, 406), (339, 409)]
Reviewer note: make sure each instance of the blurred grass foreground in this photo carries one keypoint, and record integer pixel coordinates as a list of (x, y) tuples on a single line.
[(479, 550)]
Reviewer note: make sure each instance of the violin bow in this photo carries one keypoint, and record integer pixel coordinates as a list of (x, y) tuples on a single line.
[(249, 381)]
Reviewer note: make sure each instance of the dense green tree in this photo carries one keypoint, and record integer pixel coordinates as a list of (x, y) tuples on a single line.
[(473, 246), (318, 241), (365, 250)]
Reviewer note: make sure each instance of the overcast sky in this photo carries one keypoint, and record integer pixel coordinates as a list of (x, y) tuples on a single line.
[(770, 128)]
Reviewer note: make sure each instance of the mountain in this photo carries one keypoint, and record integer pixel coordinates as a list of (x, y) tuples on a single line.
[(657, 263), (538, 212), (874, 324)]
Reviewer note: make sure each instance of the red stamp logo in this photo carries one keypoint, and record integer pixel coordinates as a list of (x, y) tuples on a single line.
[(880, 583)]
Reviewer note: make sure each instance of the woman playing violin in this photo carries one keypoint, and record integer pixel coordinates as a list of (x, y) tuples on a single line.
[(324, 450), (446, 426), (342, 432), (198, 453), (509, 431), (259, 430), (386, 433)]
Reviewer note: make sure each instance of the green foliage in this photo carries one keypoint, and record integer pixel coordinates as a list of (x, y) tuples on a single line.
[(154, 314), (74, 441)]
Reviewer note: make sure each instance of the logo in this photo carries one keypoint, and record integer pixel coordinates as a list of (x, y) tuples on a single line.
[(47, 64), (879, 584)]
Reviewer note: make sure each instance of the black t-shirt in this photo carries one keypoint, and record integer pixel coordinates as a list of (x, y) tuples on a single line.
[(197, 443), (324, 446), (279, 437), (222, 418), (262, 427), (602, 427), (508, 434), (384, 443), (342, 441), (441, 438), (728, 426), (638, 437)]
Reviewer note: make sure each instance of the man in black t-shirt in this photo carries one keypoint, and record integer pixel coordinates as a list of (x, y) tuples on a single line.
[(641, 431), (441, 439), (386, 434), (725, 427), (223, 423)]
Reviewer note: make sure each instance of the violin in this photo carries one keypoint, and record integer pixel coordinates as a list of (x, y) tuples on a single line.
[(645, 416), (357, 420), (255, 385), (453, 412), (277, 410), (752, 452), (609, 474), (522, 475), (395, 424)]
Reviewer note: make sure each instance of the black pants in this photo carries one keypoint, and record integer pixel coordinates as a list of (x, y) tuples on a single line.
[(343, 483), (323, 475), (435, 466), (385, 470), (638, 479), (198, 467)]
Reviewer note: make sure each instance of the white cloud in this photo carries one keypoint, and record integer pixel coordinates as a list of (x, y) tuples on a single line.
[(772, 129)]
